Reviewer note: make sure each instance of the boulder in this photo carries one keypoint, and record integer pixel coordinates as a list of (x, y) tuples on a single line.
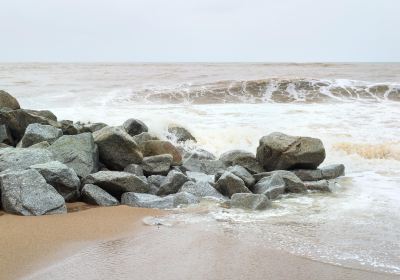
[(157, 165), (201, 189), (91, 127), (8, 101), (94, 195), (16, 158), (143, 137), (156, 180), (249, 201), (152, 201), (243, 174), (25, 192), (78, 152), (200, 177), (43, 113), (117, 149), (135, 169), (40, 145), (68, 127), (172, 183), (243, 158), (160, 147), (61, 177), (229, 184), (278, 151), (271, 186), (321, 185), (184, 198), (116, 183), (209, 167), (198, 154), (292, 182), (181, 134), (134, 127), (36, 133), (5, 135), (328, 172)]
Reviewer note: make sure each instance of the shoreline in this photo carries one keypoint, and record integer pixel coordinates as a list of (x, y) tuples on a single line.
[(46, 246)]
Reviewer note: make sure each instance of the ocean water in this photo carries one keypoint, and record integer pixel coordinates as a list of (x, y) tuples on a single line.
[(353, 108)]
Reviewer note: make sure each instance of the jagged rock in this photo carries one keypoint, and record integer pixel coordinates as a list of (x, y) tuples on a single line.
[(36, 133), (8, 101), (209, 167), (249, 201), (181, 134), (25, 192), (172, 183), (321, 185), (116, 183), (143, 137), (117, 149), (43, 113), (5, 135), (201, 189), (229, 184), (156, 180), (327, 172), (78, 152), (157, 165), (278, 151), (18, 120), (243, 174), (40, 145), (200, 177), (135, 169), (243, 158), (198, 154), (152, 201), (159, 147), (92, 194), (91, 127), (184, 198), (271, 186), (16, 158), (292, 182), (61, 177), (134, 127), (68, 127)]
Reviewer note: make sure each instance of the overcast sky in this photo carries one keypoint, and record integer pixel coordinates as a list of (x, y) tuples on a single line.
[(199, 30)]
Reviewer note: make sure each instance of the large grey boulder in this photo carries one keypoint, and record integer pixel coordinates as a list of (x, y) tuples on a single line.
[(8, 101), (243, 158), (43, 113), (278, 151), (180, 134), (271, 186), (201, 189), (17, 158), (157, 165), (135, 169), (25, 192), (152, 201), (78, 152), (36, 133), (116, 183), (95, 195), (61, 177), (134, 127), (292, 182), (160, 147), (249, 201), (172, 183), (117, 149), (229, 184), (321, 185), (209, 167), (327, 172), (5, 135)]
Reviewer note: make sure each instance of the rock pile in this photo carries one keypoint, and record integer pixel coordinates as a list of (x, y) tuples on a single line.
[(45, 163)]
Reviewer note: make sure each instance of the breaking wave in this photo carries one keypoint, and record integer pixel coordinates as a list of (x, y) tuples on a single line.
[(267, 90), (388, 150)]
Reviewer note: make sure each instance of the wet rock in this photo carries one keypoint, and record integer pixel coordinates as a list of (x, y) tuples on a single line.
[(143, 137), (321, 185), (159, 147), (61, 177), (278, 151), (36, 133), (94, 195), (25, 192), (328, 172), (172, 183), (250, 201), (229, 184), (91, 127), (292, 182), (157, 165), (78, 152), (134, 169), (243, 158), (117, 149), (134, 127), (16, 158), (181, 134), (68, 127), (333, 171), (43, 113), (184, 198), (2, 146), (40, 145), (198, 154), (209, 167), (153, 201), (271, 186), (200, 177), (8, 101), (201, 189), (5, 135), (156, 180), (116, 183), (243, 174)]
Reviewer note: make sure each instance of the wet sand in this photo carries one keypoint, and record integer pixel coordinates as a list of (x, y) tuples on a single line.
[(113, 243)]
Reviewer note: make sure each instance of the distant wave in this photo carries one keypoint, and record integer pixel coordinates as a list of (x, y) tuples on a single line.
[(387, 150), (268, 90)]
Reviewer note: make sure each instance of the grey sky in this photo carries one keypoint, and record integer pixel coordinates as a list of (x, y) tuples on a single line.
[(200, 30)]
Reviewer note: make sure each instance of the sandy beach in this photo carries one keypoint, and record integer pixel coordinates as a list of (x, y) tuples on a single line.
[(99, 243)]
